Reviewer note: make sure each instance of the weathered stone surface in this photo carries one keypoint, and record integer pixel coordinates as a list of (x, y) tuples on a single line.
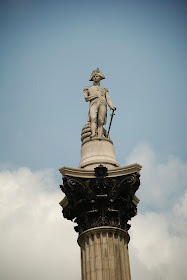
[(100, 195), (97, 150), (104, 254), (100, 201), (99, 99), (88, 174)]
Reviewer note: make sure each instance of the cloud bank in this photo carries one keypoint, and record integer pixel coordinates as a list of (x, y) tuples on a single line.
[(159, 233), (37, 243)]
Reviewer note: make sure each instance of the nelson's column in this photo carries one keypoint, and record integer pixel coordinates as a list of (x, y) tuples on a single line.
[(100, 194)]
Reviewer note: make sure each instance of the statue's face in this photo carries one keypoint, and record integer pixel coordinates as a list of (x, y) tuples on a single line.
[(96, 78)]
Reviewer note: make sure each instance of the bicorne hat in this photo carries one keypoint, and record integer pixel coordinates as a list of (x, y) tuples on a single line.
[(97, 71)]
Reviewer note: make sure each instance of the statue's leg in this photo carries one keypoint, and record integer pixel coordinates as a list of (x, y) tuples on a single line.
[(100, 129), (93, 129), (101, 117), (93, 119)]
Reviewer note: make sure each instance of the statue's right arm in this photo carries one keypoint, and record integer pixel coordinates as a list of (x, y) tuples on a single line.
[(87, 95)]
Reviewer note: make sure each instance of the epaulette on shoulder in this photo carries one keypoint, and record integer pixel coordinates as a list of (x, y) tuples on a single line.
[(86, 88)]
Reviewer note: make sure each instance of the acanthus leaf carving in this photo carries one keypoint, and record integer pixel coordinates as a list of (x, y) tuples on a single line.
[(100, 201)]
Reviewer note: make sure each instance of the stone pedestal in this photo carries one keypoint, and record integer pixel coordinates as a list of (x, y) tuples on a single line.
[(104, 254), (96, 151)]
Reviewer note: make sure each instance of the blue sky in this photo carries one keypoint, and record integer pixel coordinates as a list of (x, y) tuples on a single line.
[(48, 50)]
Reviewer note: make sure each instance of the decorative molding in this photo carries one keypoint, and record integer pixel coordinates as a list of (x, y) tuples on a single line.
[(115, 172), (103, 230), (100, 201)]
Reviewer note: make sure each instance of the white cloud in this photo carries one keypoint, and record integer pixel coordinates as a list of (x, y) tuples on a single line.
[(159, 236), (155, 250), (163, 181), (38, 243), (181, 207)]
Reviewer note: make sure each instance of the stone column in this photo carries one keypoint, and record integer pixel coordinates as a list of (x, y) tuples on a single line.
[(101, 202), (104, 254)]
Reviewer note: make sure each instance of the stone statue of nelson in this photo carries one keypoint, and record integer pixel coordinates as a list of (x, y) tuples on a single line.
[(99, 98)]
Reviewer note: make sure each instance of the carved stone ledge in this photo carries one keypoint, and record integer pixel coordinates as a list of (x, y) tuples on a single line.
[(115, 172), (100, 201)]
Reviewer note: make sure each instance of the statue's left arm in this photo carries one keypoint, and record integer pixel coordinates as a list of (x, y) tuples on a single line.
[(109, 102)]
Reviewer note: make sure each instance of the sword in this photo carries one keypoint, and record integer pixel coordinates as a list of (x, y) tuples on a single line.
[(112, 115)]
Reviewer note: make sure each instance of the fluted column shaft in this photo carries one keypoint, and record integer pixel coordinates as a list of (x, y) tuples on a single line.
[(104, 254)]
